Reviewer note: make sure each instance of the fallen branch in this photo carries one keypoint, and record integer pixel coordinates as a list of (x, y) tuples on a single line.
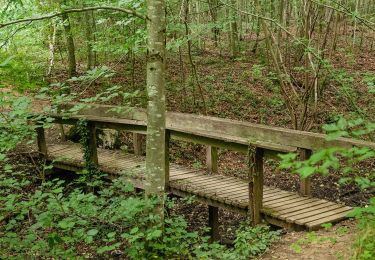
[(85, 9)]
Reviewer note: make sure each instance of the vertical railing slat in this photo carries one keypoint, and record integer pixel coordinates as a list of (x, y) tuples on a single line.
[(41, 141), (255, 181), (92, 144), (305, 184)]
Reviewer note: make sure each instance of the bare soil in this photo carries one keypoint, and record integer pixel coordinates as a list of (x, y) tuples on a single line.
[(334, 243)]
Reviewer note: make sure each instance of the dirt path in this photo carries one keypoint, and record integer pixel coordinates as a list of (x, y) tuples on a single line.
[(335, 243)]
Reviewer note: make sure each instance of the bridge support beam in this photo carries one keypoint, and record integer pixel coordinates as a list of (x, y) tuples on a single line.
[(305, 184), (213, 222), (41, 140), (255, 159), (139, 143), (92, 143), (167, 144)]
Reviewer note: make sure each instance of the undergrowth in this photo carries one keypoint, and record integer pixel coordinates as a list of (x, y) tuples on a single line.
[(51, 217)]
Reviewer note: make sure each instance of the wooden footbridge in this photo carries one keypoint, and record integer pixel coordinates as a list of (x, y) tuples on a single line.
[(282, 208)]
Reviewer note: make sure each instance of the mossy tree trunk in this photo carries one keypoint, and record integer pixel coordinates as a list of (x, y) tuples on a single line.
[(156, 165), (72, 67)]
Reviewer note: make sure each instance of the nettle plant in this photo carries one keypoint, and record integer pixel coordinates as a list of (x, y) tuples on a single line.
[(347, 162)]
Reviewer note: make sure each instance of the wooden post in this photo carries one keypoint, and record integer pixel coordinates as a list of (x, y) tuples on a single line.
[(62, 132), (211, 159), (305, 184), (213, 212), (41, 140), (167, 140), (213, 222), (138, 143), (92, 144), (255, 157)]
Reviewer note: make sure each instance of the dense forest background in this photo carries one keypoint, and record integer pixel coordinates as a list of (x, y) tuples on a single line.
[(273, 62), (301, 64)]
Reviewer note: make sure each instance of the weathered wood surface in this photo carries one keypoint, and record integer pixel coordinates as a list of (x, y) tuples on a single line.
[(280, 207), (225, 130)]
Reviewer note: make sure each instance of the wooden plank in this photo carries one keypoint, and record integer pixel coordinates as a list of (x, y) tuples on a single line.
[(206, 178), (56, 148), (69, 154), (322, 215), (268, 193), (207, 191), (282, 199), (312, 213), (330, 219), (225, 127), (216, 190), (317, 204), (225, 190), (223, 180), (206, 183), (290, 206), (184, 176), (184, 171), (242, 210), (287, 204)]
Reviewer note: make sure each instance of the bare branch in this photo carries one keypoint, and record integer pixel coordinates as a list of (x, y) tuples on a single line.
[(32, 19)]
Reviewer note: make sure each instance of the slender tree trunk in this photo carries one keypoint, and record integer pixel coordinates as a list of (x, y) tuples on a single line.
[(52, 42), (156, 163), (233, 31), (72, 67), (93, 23), (89, 40), (213, 11)]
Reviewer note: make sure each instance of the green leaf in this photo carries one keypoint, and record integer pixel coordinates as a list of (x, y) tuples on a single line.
[(92, 232), (154, 234), (306, 171), (111, 234), (134, 230)]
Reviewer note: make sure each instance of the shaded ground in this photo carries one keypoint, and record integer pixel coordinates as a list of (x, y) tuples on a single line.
[(334, 243)]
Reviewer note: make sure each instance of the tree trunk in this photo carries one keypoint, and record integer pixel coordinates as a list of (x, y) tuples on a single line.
[(89, 40), (233, 31), (156, 163), (72, 68), (213, 12)]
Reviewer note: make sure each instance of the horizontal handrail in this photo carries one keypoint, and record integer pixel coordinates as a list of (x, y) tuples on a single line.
[(231, 133)]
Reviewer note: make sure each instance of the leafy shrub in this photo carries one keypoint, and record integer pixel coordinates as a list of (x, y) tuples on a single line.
[(345, 161)]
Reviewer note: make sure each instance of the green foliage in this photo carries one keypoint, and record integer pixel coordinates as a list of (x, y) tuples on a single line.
[(346, 161), (16, 71), (260, 236), (14, 112), (369, 80), (91, 175), (60, 219)]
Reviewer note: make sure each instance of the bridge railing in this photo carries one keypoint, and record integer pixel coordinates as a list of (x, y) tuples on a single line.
[(257, 141)]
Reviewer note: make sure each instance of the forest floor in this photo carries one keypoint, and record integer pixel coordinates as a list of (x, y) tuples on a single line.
[(323, 244), (232, 90)]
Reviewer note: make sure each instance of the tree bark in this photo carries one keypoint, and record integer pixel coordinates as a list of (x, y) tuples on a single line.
[(156, 165), (72, 67), (89, 40)]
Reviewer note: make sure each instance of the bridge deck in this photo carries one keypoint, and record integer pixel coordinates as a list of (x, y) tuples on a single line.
[(282, 208)]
